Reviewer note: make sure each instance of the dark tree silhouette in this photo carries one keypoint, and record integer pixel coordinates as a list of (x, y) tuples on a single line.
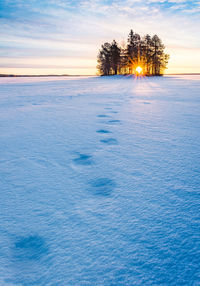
[(133, 50), (146, 52), (104, 59), (115, 54)]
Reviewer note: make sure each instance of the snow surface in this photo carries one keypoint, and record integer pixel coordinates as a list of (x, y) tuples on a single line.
[(100, 181)]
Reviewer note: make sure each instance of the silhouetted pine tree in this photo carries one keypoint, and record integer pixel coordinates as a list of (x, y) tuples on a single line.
[(133, 50), (147, 54), (104, 59), (115, 55), (158, 48), (124, 69), (130, 50)]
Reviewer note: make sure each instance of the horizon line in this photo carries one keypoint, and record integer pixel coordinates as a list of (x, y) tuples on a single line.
[(62, 75)]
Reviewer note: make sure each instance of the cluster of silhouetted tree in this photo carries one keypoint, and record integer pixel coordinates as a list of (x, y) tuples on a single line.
[(146, 52)]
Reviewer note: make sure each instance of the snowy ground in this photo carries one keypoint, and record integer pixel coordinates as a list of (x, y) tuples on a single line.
[(99, 181)]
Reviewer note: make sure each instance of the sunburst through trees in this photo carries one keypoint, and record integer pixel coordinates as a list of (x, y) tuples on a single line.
[(140, 56)]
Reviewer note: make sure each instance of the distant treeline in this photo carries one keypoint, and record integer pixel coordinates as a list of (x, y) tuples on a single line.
[(33, 75), (146, 52)]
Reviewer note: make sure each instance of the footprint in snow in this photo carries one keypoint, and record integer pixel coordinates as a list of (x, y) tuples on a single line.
[(113, 121), (109, 141), (103, 131), (83, 159), (102, 115), (31, 247), (102, 186)]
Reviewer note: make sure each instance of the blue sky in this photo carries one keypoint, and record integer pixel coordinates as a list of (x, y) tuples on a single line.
[(57, 36)]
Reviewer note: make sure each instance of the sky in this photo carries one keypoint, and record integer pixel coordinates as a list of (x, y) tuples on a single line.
[(64, 36)]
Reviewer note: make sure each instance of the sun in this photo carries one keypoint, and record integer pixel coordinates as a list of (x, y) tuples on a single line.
[(138, 70)]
